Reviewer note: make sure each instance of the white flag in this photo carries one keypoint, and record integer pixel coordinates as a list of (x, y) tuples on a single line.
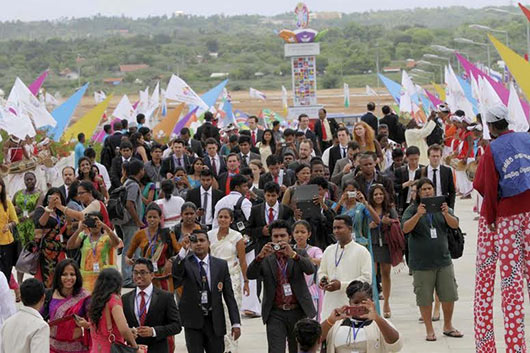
[(99, 96), (488, 98), (154, 101), (17, 125), (179, 90), (143, 102), (285, 104), (456, 97), (124, 110), (51, 100), (516, 115), (370, 91), (407, 91), (346, 95), (254, 93), (25, 102)]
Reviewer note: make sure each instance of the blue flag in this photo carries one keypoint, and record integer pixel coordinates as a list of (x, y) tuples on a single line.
[(393, 87), (64, 113)]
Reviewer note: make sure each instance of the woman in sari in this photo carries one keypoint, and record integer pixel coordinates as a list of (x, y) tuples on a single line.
[(157, 245), (229, 245), (194, 178), (97, 243), (50, 224), (25, 202), (65, 299)]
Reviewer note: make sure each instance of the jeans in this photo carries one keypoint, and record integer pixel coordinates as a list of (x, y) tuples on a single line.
[(128, 232)]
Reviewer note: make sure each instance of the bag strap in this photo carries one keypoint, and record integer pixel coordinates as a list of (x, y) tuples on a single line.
[(239, 202), (109, 323)]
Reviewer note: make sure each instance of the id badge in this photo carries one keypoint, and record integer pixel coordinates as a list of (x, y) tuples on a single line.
[(155, 266), (157, 185), (433, 233), (204, 297), (287, 291), (95, 268), (25, 213)]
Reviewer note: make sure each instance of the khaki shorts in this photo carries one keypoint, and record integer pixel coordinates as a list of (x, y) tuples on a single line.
[(442, 279)]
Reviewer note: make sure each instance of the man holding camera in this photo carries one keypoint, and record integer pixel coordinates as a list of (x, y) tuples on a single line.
[(286, 298)]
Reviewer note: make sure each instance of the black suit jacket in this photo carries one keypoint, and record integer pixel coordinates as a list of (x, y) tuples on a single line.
[(251, 156), (114, 141), (333, 125), (401, 176), (162, 315), (379, 179), (196, 147), (207, 130), (186, 274), (334, 155), (222, 168), (267, 270), (259, 135), (169, 165), (62, 189), (371, 120), (194, 195), (257, 221), (288, 178), (115, 172), (448, 184)]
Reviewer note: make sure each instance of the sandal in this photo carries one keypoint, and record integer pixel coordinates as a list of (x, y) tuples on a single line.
[(387, 314), (454, 333), (436, 318), (431, 338)]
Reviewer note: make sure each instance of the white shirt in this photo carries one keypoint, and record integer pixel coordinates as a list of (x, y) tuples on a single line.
[(355, 264), (412, 174), (217, 163), (171, 210), (229, 201), (104, 174), (416, 137), (438, 179), (275, 211), (7, 304), (25, 332), (343, 151), (206, 267), (208, 206)]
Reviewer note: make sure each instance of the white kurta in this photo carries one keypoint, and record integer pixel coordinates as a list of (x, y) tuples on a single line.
[(416, 137), (355, 264)]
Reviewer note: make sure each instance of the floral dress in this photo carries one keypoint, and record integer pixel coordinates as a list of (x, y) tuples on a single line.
[(27, 204), (95, 256)]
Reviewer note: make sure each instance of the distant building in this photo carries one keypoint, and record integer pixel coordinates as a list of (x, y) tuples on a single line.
[(411, 63), (391, 69), (113, 81), (214, 55), (132, 68), (218, 74)]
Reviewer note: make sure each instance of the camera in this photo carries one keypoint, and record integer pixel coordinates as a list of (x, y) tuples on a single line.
[(193, 238), (90, 222), (352, 194), (276, 247), (240, 226)]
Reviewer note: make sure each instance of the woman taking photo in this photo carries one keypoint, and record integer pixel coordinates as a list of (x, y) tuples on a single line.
[(8, 219), (107, 320), (429, 258), (266, 146), (303, 175), (378, 199), (86, 173), (188, 223), (97, 243), (157, 245), (68, 298), (170, 205), (364, 135), (25, 202), (50, 225), (371, 332), (301, 233), (139, 147), (194, 178), (229, 245)]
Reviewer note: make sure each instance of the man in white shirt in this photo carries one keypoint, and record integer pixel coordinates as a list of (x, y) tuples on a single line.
[(255, 132), (342, 263), (26, 331), (239, 187), (212, 159)]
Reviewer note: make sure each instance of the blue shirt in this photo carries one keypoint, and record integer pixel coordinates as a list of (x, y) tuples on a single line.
[(79, 152)]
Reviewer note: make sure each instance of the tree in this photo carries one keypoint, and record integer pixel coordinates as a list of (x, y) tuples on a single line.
[(212, 45)]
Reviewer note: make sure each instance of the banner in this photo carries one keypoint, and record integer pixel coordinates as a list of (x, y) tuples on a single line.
[(50, 100), (346, 95), (254, 93), (179, 90), (88, 123), (165, 127), (64, 113), (35, 86), (487, 98), (22, 101), (434, 100), (370, 91), (143, 103), (455, 95), (440, 91), (99, 96), (525, 11)]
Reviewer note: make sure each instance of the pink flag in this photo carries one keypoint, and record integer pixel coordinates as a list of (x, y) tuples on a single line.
[(37, 84), (434, 100)]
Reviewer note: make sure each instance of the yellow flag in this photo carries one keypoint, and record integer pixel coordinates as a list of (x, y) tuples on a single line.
[(518, 66), (165, 127), (88, 122), (441, 92)]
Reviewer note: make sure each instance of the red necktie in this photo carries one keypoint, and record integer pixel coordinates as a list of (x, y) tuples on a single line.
[(253, 137), (271, 215), (276, 179), (142, 308), (324, 135)]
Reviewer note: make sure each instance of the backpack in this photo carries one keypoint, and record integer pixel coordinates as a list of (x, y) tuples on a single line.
[(240, 222), (455, 241), (436, 136), (116, 209)]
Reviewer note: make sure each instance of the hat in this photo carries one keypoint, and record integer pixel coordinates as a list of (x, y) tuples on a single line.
[(229, 127), (15, 139), (443, 107), (457, 119), (496, 113), (476, 127)]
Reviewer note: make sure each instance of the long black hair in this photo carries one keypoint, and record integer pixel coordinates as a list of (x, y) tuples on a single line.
[(3, 194), (91, 173), (109, 282), (386, 202), (88, 186), (72, 192), (59, 269), (272, 143)]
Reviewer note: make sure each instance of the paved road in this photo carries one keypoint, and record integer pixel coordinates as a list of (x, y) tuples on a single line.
[(405, 314)]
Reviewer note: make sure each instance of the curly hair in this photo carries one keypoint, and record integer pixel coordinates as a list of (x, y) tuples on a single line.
[(369, 136), (109, 282)]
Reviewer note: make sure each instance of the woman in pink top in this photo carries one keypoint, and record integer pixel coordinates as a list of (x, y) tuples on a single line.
[(106, 309)]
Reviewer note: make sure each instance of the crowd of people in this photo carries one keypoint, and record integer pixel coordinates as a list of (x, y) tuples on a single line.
[(217, 220)]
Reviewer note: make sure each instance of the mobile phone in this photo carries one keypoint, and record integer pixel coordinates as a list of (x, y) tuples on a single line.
[(324, 281), (177, 178), (356, 311)]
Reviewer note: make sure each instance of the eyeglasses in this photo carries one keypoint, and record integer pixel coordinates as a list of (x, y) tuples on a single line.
[(81, 192), (141, 273)]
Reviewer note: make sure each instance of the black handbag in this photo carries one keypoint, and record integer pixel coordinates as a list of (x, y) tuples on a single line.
[(115, 346), (455, 241)]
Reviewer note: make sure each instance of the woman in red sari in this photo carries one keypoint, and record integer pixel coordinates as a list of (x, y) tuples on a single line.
[(65, 309)]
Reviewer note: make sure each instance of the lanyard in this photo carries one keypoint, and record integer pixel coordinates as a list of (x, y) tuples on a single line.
[(283, 269), (152, 241), (141, 310), (356, 332), (337, 262), (94, 248), (430, 217)]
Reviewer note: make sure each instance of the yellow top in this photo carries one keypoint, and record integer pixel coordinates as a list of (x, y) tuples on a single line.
[(6, 217)]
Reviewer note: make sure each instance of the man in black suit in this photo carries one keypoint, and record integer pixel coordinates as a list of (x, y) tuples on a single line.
[(395, 129), (369, 176), (286, 298), (195, 145), (125, 155), (176, 159), (110, 143), (325, 129), (245, 154), (370, 118), (212, 159), (444, 184), (255, 132), (255, 195), (341, 150), (303, 125), (207, 130), (150, 311), (232, 164), (283, 177), (68, 178), (205, 197), (405, 177), (205, 282)]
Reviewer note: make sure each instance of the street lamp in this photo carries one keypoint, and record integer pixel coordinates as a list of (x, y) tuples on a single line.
[(423, 72), (436, 57), (469, 41), (428, 63), (494, 9), (489, 29)]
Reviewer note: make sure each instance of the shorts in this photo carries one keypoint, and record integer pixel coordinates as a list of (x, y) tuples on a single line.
[(442, 279)]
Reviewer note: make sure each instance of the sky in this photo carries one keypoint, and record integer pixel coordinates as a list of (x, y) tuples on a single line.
[(32, 10)]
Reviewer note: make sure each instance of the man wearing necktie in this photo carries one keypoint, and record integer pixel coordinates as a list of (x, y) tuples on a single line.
[(177, 159), (255, 132), (233, 164), (212, 159), (115, 169)]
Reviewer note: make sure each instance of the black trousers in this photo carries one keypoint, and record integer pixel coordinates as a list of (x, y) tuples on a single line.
[(7, 259), (280, 328), (204, 340)]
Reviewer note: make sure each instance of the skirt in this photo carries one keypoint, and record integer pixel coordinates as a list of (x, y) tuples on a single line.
[(381, 254)]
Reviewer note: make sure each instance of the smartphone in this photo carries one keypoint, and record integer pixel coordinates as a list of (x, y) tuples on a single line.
[(324, 281), (356, 311), (177, 178)]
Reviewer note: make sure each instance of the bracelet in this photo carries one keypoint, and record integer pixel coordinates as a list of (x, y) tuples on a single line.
[(245, 281), (329, 323)]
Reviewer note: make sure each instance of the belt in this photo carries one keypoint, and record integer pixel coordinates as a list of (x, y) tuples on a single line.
[(287, 307)]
